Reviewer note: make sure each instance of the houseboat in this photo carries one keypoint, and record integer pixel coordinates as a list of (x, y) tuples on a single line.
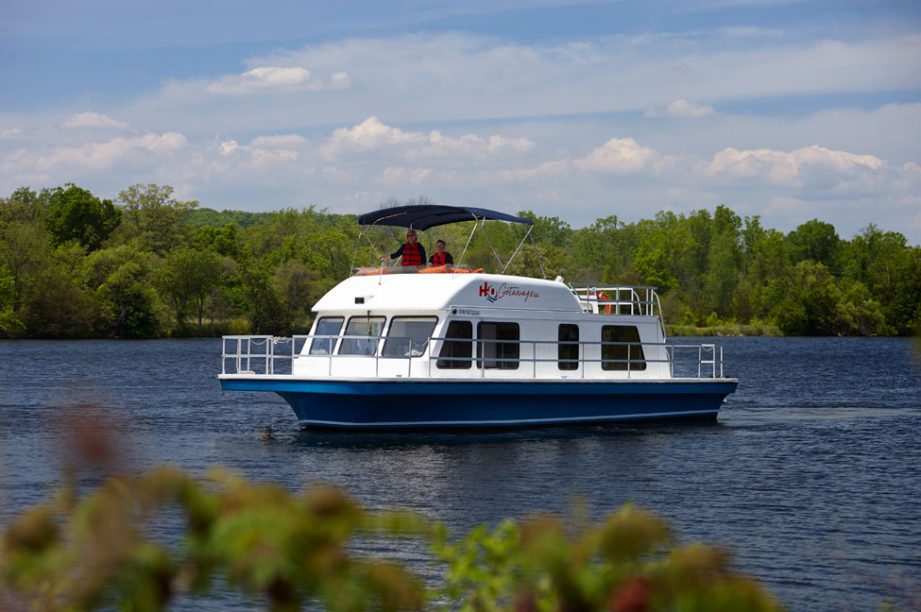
[(448, 347)]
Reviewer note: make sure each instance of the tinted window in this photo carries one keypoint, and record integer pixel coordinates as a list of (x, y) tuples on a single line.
[(615, 352), (326, 326), (456, 354), (568, 347), (408, 337), (369, 327), (497, 345)]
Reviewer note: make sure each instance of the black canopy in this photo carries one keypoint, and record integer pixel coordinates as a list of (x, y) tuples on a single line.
[(424, 216)]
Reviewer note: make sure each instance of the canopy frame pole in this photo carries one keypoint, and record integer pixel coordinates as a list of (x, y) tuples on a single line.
[(367, 236), (540, 258), (518, 248), (357, 248), (491, 247), (469, 238)]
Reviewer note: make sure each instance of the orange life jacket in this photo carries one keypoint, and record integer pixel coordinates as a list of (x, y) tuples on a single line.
[(412, 256)]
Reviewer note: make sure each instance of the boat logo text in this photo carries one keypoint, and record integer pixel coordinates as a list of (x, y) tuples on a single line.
[(492, 293)]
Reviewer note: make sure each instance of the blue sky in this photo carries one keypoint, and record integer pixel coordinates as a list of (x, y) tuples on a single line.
[(788, 110)]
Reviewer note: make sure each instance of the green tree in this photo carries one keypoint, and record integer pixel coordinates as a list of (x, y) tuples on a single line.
[(121, 279), (189, 276), (804, 303), (23, 248), (10, 325), (76, 214), (151, 215), (259, 299), (815, 241), (223, 240), (724, 260), (858, 314), (891, 271), (54, 306), (297, 286), (25, 206), (549, 230)]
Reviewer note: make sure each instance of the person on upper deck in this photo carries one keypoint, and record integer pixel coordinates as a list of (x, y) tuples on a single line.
[(412, 252), (441, 257)]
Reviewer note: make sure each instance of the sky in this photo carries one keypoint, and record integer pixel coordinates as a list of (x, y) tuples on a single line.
[(580, 110)]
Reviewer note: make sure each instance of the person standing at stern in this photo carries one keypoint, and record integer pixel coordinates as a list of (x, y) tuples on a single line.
[(411, 251)]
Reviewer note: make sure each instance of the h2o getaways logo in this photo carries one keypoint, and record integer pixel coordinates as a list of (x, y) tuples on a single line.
[(494, 293)]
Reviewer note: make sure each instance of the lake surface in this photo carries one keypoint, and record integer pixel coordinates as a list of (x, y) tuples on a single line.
[(812, 476)]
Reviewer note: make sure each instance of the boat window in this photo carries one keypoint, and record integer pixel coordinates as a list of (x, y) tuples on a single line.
[(568, 347), (457, 353), (408, 336), (497, 345), (326, 326), (370, 327), (616, 353)]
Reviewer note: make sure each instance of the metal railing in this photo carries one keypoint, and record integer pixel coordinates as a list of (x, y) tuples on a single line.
[(261, 355), (619, 300)]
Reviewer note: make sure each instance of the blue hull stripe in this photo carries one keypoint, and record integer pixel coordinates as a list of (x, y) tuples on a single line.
[(440, 404), (522, 422)]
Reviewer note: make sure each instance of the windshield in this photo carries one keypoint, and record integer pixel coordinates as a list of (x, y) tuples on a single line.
[(408, 337), (370, 327), (326, 326)]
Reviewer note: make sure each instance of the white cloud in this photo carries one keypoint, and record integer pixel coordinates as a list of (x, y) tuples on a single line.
[(618, 156), (680, 108), (253, 157), (279, 141), (11, 133), (227, 148), (372, 135), (93, 156), (269, 79), (796, 168), (441, 78), (91, 120), (401, 177)]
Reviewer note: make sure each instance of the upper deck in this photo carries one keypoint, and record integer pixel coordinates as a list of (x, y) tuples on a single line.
[(441, 292)]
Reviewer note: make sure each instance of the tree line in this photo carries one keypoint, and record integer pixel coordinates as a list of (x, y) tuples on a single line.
[(147, 265)]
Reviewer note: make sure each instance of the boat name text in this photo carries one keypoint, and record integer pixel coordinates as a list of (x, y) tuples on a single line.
[(492, 293)]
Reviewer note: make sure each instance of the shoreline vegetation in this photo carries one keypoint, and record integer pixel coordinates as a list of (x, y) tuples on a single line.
[(147, 265), (732, 329)]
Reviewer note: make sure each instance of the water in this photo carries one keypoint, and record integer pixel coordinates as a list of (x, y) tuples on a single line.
[(811, 477)]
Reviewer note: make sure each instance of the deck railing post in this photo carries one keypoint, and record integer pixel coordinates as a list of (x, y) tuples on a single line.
[(534, 359)]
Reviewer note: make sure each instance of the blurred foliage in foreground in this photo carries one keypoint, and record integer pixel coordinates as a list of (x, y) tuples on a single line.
[(294, 550)]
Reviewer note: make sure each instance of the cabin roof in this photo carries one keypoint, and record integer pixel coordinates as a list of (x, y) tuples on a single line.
[(434, 292)]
